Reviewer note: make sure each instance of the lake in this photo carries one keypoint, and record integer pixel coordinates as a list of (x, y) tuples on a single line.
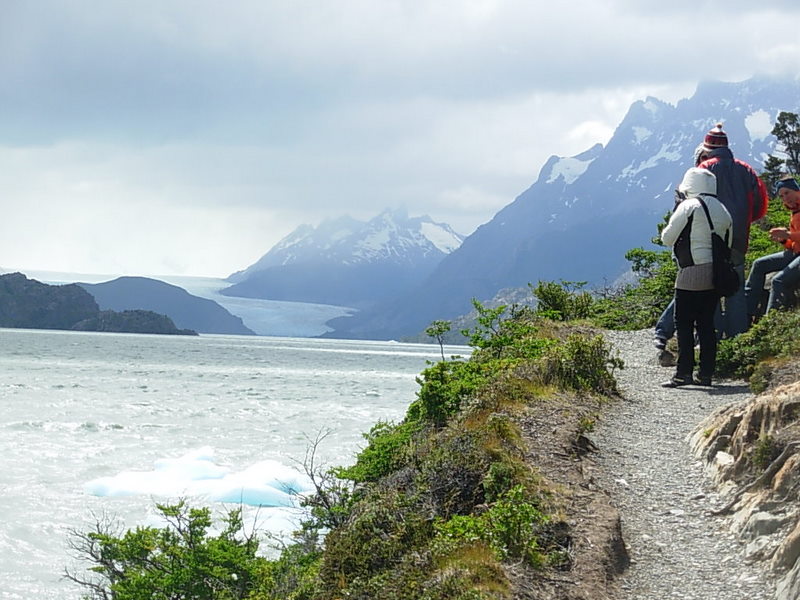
[(108, 424)]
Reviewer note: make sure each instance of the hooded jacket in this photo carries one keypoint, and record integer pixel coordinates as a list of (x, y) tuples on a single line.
[(741, 191), (687, 231)]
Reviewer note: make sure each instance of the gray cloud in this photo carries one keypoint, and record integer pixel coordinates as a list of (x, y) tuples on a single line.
[(261, 116)]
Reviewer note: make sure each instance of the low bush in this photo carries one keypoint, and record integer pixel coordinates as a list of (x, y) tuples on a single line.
[(181, 560), (772, 337), (385, 452), (565, 301), (581, 363), (510, 527)]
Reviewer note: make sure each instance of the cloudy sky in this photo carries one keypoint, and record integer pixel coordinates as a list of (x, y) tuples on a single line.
[(169, 137)]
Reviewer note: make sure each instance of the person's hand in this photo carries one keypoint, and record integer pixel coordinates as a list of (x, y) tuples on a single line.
[(779, 234)]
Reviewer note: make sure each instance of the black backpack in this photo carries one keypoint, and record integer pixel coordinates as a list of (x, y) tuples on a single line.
[(726, 279)]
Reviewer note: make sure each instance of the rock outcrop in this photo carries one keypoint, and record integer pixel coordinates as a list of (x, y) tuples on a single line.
[(752, 451)]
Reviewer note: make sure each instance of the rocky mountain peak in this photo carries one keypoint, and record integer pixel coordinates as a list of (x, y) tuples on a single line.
[(391, 236)]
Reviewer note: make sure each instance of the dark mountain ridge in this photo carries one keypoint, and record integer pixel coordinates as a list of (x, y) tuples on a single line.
[(187, 311), (29, 304)]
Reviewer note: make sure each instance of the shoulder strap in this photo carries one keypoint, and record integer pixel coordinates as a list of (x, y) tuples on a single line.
[(708, 215)]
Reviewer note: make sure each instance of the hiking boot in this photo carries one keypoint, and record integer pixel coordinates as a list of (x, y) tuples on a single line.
[(678, 381), (704, 380), (660, 343), (666, 358)]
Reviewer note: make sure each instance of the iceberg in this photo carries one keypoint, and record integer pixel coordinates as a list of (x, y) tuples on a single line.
[(266, 483)]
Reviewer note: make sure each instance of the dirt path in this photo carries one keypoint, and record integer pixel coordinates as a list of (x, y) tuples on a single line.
[(677, 548)]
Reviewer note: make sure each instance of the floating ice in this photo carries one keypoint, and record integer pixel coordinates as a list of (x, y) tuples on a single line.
[(265, 483)]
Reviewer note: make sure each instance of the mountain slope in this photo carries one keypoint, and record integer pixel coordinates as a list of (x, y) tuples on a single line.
[(349, 263), (30, 304), (583, 213), (185, 310)]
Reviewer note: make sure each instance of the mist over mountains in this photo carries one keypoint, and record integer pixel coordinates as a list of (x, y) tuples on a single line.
[(348, 262)]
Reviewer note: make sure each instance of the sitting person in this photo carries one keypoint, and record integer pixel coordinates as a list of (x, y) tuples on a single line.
[(689, 234), (787, 262)]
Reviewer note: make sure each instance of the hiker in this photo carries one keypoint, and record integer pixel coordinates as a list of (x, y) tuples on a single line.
[(745, 197), (689, 235), (787, 262)]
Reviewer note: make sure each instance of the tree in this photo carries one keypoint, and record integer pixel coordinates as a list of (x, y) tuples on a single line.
[(437, 330), (787, 131), (773, 171)]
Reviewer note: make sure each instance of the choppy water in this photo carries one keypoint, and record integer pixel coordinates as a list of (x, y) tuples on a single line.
[(83, 408)]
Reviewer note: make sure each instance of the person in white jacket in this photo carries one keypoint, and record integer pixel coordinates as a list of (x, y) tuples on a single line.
[(689, 235)]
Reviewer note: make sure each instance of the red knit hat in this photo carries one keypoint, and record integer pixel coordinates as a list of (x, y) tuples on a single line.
[(716, 138)]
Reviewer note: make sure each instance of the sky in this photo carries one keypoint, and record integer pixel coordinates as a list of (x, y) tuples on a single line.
[(187, 137)]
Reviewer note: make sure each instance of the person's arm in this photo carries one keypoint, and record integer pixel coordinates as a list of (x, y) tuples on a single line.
[(678, 220), (760, 199)]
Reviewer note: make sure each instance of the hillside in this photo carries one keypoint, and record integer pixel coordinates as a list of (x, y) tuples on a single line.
[(185, 310), (29, 304)]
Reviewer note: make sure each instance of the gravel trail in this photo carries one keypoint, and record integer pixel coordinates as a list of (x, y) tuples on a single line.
[(677, 548)]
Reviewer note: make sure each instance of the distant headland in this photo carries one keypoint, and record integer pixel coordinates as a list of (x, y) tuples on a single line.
[(29, 304)]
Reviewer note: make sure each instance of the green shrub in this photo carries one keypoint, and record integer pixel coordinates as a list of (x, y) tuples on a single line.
[(443, 387), (765, 451), (581, 363), (293, 576), (562, 301), (384, 453), (510, 527), (452, 465), (500, 478), (181, 560), (772, 336), (384, 526), (638, 306), (500, 335)]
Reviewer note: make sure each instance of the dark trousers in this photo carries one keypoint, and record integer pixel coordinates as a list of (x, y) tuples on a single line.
[(695, 310)]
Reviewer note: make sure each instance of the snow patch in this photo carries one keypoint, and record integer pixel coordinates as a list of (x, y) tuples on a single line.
[(759, 125), (666, 153), (641, 134), (444, 240), (569, 169)]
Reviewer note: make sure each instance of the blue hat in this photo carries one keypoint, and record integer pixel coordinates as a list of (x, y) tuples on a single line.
[(787, 182)]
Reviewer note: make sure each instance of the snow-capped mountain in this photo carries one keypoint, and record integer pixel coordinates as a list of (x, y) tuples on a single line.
[(584, 212), (348, 262)]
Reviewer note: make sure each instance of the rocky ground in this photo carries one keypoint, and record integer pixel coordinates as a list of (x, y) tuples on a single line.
[(677, 547)]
